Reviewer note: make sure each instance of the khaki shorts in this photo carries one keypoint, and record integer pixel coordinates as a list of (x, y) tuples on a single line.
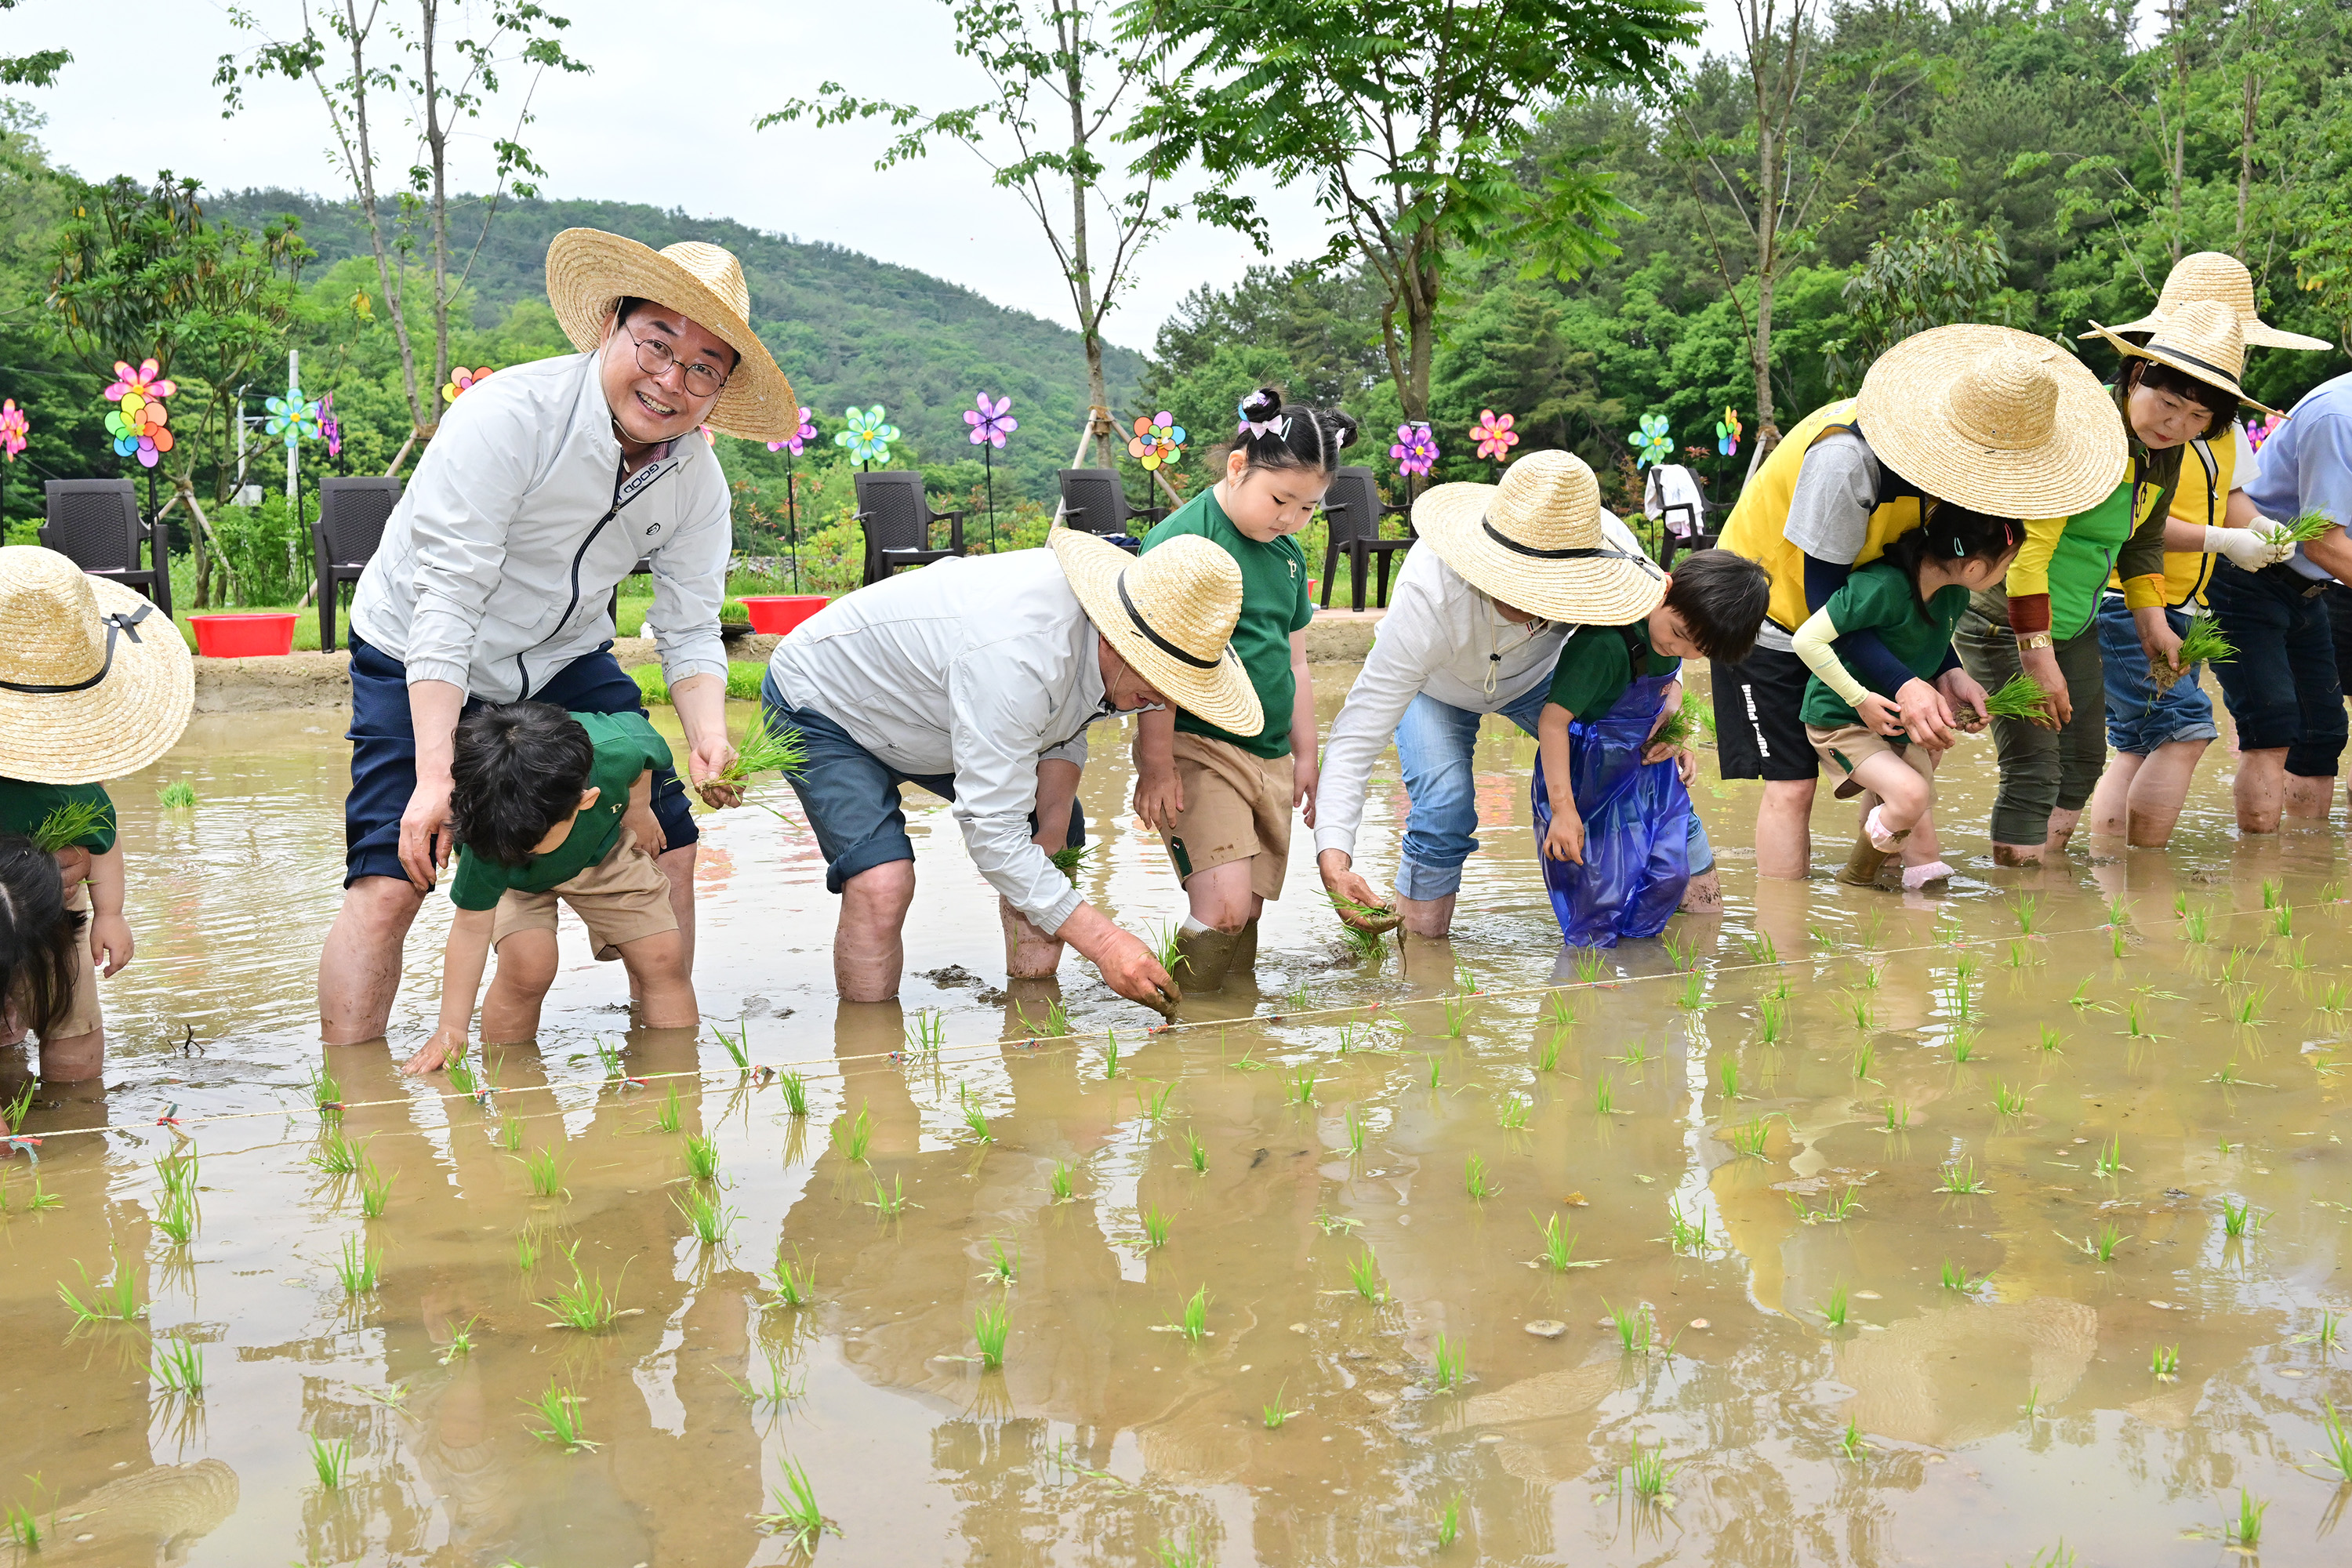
[(621, 897), (1236, 808), (1846, 748)]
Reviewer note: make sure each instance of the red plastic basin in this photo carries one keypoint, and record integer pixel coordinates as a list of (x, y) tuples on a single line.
[(244, 637), (776, 613)]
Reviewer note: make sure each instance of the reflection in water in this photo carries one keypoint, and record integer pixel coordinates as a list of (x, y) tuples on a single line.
[(1798, 1104)]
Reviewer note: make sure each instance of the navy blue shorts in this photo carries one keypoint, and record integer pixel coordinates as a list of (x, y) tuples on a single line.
[(384, 751), (850, 797)]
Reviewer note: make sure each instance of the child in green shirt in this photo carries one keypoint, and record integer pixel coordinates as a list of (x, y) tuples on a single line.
[(545, 806), (1223, 802), (1912, 597)]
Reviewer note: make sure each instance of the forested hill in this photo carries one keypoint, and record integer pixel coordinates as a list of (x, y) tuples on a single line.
[(847, 329)]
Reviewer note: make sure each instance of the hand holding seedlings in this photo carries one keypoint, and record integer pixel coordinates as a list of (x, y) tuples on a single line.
[(764, 751)]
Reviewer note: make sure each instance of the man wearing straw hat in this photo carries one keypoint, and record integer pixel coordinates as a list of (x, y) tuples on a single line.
[(1474, 627), (1989, 418), (542, 489), (976, 677)]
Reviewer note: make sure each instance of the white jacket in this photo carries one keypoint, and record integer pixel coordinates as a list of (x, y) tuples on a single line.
[(496, 568)]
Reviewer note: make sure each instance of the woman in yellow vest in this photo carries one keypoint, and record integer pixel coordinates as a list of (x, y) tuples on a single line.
[(2182, 385), (2008, 425), (2158, 736)]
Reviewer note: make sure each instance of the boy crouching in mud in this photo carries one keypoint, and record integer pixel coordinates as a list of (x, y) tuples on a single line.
[(548, 805)]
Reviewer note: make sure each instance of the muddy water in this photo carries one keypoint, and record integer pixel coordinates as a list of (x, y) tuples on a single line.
[(1977, 1425)]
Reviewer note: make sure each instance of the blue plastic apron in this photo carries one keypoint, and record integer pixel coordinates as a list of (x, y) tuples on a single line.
[(1636, 827)]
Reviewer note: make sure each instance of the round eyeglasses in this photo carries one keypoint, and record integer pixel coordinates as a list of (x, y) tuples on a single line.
[(655, 357)]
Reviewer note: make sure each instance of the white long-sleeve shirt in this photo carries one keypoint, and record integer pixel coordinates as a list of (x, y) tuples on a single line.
[(980, 666), (497, 566)]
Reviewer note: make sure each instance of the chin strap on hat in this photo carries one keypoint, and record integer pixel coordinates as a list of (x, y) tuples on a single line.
[(1154, 638), (120, 622), (1579, 553)]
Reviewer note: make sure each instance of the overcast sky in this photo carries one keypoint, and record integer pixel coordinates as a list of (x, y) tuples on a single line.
[(666, 117)]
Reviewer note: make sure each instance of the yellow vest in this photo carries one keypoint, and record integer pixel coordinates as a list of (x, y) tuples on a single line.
[(2208, 473), (1757, 522)]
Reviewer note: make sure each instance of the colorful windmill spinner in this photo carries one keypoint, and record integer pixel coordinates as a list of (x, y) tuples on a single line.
[(1158, 441), (1494, 434)]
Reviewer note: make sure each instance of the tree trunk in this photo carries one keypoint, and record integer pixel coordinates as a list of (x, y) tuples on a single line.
[(436, 141), (2252, 102), (361, 159)]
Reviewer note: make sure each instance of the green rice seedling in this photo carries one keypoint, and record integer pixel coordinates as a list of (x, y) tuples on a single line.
[(1771, 1020), (336, 1154), (1110, 1055), (376, 1191), (1692, 997), (1058, 1184), (1749, 1136), (2246, 1011), (1834, 1310), (1363, 945), (1680, 954), (1865, 1055), (2007, 1101), (797, 1517), (766, 751), (177, 796), (991, 1324), (1859, 1009), (2241, 1219), (1192, 1320), (2110, 1158), (584, 1304), (1558, 1011), (1457, 1018), (1512, 1114), (2246, 1530), (1436, 1068), (1647, 1472), (1465, 983), (738, 1046), (2308, 526), (780, 1387), (2019, 697), (926, 1033), (1069, 859), (175, 1217), (1637, 1052), (975, 1118), (1587, 965), (701, 1157), (1870, 972), (2283, 921), (38, 1201), (21, 1526), (2082, 996), (1273, 1414), (671, 1114), (73, 821), (1960, 1176), (1604, 1097), (1167, 946), (2115, 942), (2200, 643), (1330, 1224), (1633, 1327), (1956, 1278), (705, 1216), (2338, 1457), (1849, 1443), (1760, 948), (1196, 1152), (2330, 1331), (117, 1302), (1156, 1226), (2118, 910), (1300, 999), (326, 1092), (1005, 1267), (2333, 999), (1355, 1123), (1898, 1116), (177, 1171), (2165, 1363), (1964, 1044), (546, 1173), (608, 1056), (1686, 1233), (852, 1137), (2051, 1040), (360, 1267), (331, 1458), (1450, 1364), (510, 1133), (1474, 1176), (557, 1410), (890, 1202), (2100, 1244), (461, 1342), (1363, 1272), (2196, 925), (1299, 1086), (2233, 968), (527, 1249), (2028, 910), (2294, 957), (180, 1367), (1559, 1246), (1158, 1107)]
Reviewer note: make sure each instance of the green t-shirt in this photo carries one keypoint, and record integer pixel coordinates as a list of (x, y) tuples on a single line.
[(626, 745), (1879, 597), (24, 806), (1596, 665), (1275, 603)]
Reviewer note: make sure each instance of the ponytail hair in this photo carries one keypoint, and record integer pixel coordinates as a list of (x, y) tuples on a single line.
[(37, 935), (1277, 435), (1952, 532)]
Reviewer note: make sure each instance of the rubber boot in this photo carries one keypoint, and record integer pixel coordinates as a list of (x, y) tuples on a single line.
[(1244, 963), (1867, 861), (1204, 958), (1029, 954)]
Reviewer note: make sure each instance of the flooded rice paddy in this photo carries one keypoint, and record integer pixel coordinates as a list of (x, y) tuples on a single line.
[(1859, 1229)]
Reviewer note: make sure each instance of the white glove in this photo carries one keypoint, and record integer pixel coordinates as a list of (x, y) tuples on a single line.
[(2259, 543)]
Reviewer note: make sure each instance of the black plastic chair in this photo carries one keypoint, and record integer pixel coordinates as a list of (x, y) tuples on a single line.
[(1353, 510), (351, 515), (96, 524), (898, 520), (1094, 501)]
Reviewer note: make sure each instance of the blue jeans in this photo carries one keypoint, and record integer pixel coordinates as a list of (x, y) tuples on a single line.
[(1434, 742), (2282, 688), (2139, 720)]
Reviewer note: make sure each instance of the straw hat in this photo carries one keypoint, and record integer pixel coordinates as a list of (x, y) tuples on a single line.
[(95, 682), (2201, 338), (2210, 275), (1996, 420), (1535, 543), (588, 269), (1171, 615)]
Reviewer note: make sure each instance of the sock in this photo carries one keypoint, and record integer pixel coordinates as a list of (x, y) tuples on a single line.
[(1918, 877), (1192, 925), (1881, 837)]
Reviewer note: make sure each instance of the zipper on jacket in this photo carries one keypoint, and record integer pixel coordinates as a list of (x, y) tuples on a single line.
[(522, 673)]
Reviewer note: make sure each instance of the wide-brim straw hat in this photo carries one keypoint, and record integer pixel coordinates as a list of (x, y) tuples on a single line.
[(2201, 340), (1535, 543), (95, 682), (1171, 615), (2222, 278), (588, 270), (1996, 420)]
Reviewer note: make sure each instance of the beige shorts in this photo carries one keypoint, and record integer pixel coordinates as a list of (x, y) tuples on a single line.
[(619, 899), (1846, 748), (82, 1013), (1236, 808)]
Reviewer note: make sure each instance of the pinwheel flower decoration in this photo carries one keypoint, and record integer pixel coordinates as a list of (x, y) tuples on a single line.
[(869, 436), (462, 380), (12, 429), (137, 423), (330, 426), (1158, 440), (1494, 434), (2259, 431), (993, 422), (1727, 433), (1415, 449), (800, 437), (292, 417), (1651, 443)]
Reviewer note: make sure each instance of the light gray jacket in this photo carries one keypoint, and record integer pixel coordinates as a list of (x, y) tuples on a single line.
[(496, 568)]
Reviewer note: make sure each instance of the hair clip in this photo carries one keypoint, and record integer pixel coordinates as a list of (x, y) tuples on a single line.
[(1257, 429)]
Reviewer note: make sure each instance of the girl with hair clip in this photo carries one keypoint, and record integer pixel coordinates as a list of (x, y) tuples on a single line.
[(1912, 597), (1224, 801)]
